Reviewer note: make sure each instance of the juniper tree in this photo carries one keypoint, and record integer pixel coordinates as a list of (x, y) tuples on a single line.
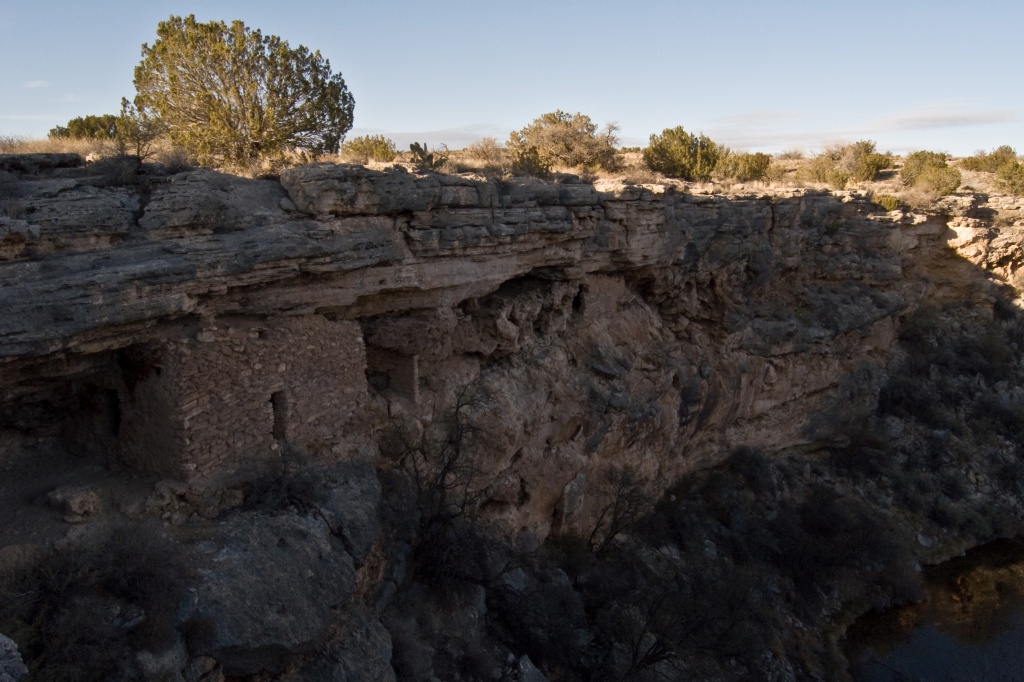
[(233, 96)]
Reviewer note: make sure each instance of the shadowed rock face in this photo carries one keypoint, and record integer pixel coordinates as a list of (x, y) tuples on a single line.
[(297, 354), (610, 325)]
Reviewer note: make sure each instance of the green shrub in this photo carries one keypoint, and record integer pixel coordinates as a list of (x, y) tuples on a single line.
[(137, 131), (887, 201), (870, 166), (1010, 178), (991, 162), (87, 127), (678, 154), (369, 147), (529, 161), (938, 181), (570, 140), (744, 167), (929, 172), (837, 179), (916, 163)]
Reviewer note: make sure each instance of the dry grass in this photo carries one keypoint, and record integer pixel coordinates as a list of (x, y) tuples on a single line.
[(173, 158), (490, 158), (13, 144), (979, 181)]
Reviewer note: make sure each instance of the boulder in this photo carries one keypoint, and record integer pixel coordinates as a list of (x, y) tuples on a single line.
[(272, 587), (526, 671), (349, 504), (12, 668), (77, 503), (361, 654)]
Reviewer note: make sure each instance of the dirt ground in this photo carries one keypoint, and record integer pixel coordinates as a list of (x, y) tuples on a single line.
[(89, 494)]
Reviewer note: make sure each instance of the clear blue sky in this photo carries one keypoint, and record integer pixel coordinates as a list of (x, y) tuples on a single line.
[(760, 75)]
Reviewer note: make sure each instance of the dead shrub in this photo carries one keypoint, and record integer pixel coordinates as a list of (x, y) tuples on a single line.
[(174, 160), (119, 171), (81, 613), (493, 157)]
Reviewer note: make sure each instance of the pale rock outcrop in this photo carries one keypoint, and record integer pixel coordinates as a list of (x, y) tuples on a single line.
[(12, 669)]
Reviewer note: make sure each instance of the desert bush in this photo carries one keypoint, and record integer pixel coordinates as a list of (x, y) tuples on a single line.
[(529, 161), (792, 154), (938, 182), (886, 201), (137, 133), (678, 154), (118, 171), (174, 159), (625, 496), (918, 162), (79, 614), (837, 179), (569, 140), (1010, 178), (369, 147), (776, 172), (830, 537), (990, 162), (839, 164), (493, 156), (869, 166), (438, 468), (929, 176), (744, 167)]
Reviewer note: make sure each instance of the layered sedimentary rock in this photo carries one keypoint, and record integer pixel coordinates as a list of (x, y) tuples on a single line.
[(201, 325)]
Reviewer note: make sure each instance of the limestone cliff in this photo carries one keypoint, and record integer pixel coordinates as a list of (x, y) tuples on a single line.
[(613, 325), (211, 329)]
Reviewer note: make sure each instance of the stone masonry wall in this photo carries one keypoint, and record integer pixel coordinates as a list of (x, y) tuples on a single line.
[(231, 398)]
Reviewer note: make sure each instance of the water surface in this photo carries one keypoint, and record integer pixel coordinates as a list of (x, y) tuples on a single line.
[(970, 627)]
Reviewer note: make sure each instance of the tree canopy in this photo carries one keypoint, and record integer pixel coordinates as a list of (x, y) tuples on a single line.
[(102, 127), (570, 140), (678, 154), (232, 96)]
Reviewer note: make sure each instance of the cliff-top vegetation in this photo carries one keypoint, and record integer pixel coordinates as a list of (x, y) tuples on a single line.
[(229, 97)]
